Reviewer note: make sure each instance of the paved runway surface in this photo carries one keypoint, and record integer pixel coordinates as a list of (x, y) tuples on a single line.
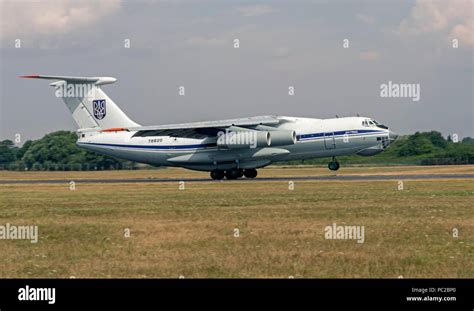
[(161, 180)]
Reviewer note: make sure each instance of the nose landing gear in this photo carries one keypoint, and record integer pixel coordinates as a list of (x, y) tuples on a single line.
[(333, 165)]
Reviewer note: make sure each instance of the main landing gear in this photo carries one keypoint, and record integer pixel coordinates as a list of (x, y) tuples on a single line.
[(233, 174), (333, 165), (217, 174), (250, 173)]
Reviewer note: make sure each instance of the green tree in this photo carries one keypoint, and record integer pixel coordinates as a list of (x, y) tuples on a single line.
[(21, 151), (468, 140), (7, 152), (58, 150), (417, 144), (436, 139)]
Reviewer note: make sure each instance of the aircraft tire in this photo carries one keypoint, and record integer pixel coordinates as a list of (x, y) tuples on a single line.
[(232, 174), (333, 165), (250, 173), (217, 174)]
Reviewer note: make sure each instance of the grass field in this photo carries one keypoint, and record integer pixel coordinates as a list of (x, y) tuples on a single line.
[(190, 232)]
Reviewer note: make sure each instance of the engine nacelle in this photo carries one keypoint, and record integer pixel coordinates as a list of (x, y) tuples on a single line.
[(282, 138), (244, 139)]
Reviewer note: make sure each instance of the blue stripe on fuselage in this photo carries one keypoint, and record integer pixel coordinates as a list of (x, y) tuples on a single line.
[(337, 133), (154, 146)]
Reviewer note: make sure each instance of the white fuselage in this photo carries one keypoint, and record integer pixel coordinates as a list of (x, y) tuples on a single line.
[(315, 138)]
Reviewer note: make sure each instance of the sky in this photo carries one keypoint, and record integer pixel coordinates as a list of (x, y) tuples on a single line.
[(281, 44)]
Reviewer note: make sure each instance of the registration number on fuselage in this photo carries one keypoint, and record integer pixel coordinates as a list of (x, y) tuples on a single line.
[(155, 140)]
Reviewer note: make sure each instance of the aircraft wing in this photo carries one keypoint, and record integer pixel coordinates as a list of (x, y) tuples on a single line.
[(206, 128), (264, 120)]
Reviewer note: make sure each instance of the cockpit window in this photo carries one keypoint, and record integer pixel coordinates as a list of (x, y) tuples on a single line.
[(378, 124), (372, 123)]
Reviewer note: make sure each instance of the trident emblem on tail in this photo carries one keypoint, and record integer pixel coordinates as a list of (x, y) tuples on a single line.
[(98, 107)]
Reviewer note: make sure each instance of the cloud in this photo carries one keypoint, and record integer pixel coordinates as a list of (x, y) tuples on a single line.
[(255, 10), (20, 19), (448, 18), (369, 55), (464, 33), (366, 19)]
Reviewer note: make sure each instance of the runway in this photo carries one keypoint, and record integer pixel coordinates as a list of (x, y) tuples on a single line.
[(258, 179)]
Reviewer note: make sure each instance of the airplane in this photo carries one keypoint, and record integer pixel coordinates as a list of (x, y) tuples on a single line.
[(228, 149)]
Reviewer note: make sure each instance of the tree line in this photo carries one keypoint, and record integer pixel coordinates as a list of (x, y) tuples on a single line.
[(58, 151), (55, 151)]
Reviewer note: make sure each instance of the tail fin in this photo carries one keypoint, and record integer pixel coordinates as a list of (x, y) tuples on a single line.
[(89, 105)]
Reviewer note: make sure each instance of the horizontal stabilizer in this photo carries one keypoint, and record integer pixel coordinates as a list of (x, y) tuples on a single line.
[(68, 79)]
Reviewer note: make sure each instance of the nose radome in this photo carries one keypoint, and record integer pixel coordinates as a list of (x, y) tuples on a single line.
[(392, 135)]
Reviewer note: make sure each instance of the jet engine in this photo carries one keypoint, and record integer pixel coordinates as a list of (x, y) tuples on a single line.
[(244, 139), (282, 138)]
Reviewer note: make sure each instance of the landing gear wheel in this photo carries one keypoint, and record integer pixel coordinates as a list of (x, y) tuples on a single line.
[(217, 174), (250, 173), (333, 165), (233, 174)]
